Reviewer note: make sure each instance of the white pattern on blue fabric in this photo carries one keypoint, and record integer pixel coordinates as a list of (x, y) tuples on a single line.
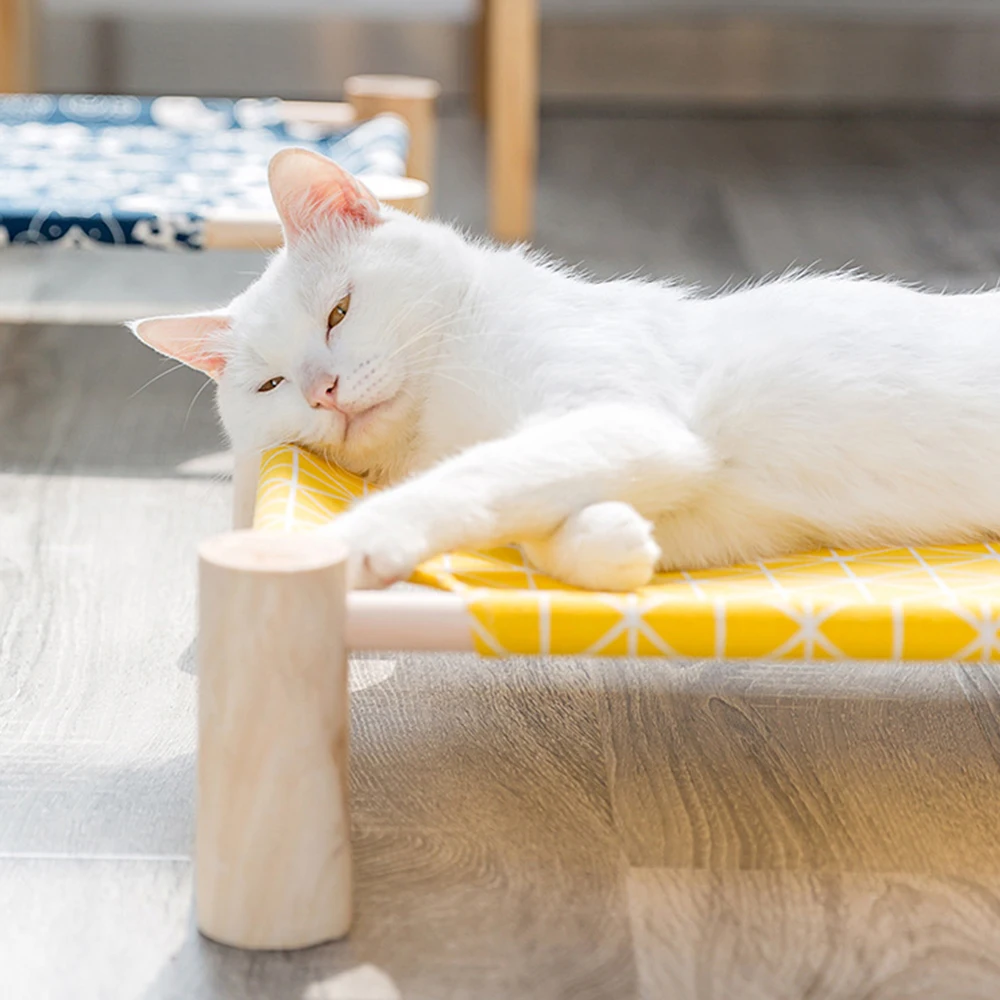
[(80, 170)]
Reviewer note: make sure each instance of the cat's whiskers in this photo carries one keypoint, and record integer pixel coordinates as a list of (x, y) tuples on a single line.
[(451, 378), (204, 386), (459, 366), (428, 296), (429, 329), (156, 378), (436, 328)]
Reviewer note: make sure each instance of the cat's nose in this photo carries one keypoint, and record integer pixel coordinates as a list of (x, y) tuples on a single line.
[(322, 394)]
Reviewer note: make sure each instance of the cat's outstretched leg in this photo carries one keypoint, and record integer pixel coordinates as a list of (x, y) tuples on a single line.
[(526, 486), (606, 546)]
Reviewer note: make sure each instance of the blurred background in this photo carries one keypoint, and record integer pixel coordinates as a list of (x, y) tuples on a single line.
[(705, 139), (531, 829), (818, 54)]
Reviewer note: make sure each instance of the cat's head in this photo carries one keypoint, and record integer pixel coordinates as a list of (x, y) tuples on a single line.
[(333, 345)]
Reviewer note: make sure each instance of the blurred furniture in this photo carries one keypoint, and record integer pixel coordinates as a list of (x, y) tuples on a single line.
[(506, 32), (507, 95), (188, 173), (16, 45), (414, 99)]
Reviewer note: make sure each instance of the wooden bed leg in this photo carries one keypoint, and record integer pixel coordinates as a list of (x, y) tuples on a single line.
[(413, 99), (17, 46), (273, 854), (479, 53), (246, 473), (512, 115)]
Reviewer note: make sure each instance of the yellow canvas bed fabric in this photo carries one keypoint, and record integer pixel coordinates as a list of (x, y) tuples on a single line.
[(938, 603)]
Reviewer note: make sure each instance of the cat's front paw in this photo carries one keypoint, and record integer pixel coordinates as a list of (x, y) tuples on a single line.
[(606, 546), (381, 550)]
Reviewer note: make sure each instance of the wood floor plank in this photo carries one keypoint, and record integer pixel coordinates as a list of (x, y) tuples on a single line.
[(426, 740), (954, 159), (789, 935), (97, 531), (849, 767), (442, 916), (658, 213), (469, 915), (480, 805), (827, 194), (90, 929), (149, 282)]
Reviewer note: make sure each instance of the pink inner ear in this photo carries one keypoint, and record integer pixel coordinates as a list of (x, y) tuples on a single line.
[(309, 190), (347, 201), (328, 202), (191, 339)]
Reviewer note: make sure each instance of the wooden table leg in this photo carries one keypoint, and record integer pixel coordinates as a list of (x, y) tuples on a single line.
[(17, 64), (511, 53)]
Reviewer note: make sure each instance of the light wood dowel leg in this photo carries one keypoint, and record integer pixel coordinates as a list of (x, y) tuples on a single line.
[(246, 473), (273, 855), (478, 55), (512, 115), (17, 46), (415, 100)]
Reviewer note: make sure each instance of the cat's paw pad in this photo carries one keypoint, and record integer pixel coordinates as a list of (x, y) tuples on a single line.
[(606, 546), (380, 552)]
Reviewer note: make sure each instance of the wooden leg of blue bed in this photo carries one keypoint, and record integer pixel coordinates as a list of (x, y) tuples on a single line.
[(17, 46), (273, 853)]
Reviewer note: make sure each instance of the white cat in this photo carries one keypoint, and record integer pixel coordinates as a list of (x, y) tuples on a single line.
[(611, 426)]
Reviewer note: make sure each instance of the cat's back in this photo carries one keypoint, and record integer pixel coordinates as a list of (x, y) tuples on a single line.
[(843, 399), (836, 334), (821, 311)]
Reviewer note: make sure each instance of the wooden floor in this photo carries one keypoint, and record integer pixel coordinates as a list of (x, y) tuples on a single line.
[(524, 830)]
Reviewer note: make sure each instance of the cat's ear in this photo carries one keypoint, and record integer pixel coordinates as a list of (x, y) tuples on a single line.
[(309, 190), (192, 339)]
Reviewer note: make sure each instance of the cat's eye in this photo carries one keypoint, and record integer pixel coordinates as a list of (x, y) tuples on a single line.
[(338, 312), (271, 383)]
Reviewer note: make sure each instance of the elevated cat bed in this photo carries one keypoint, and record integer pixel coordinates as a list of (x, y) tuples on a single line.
[(190, 173), (273, 857), (939, 603)]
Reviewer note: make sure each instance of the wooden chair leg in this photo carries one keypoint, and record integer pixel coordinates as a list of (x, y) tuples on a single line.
[(17, 48), (273, 851), (413, 99), (512, 120)]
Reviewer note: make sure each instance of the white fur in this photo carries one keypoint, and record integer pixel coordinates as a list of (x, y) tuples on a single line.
[(810, 411)]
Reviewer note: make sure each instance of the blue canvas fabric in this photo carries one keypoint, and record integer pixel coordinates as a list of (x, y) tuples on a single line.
[(81, 170)]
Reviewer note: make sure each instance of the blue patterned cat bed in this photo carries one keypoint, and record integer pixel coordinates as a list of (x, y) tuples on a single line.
[(79, 170)]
